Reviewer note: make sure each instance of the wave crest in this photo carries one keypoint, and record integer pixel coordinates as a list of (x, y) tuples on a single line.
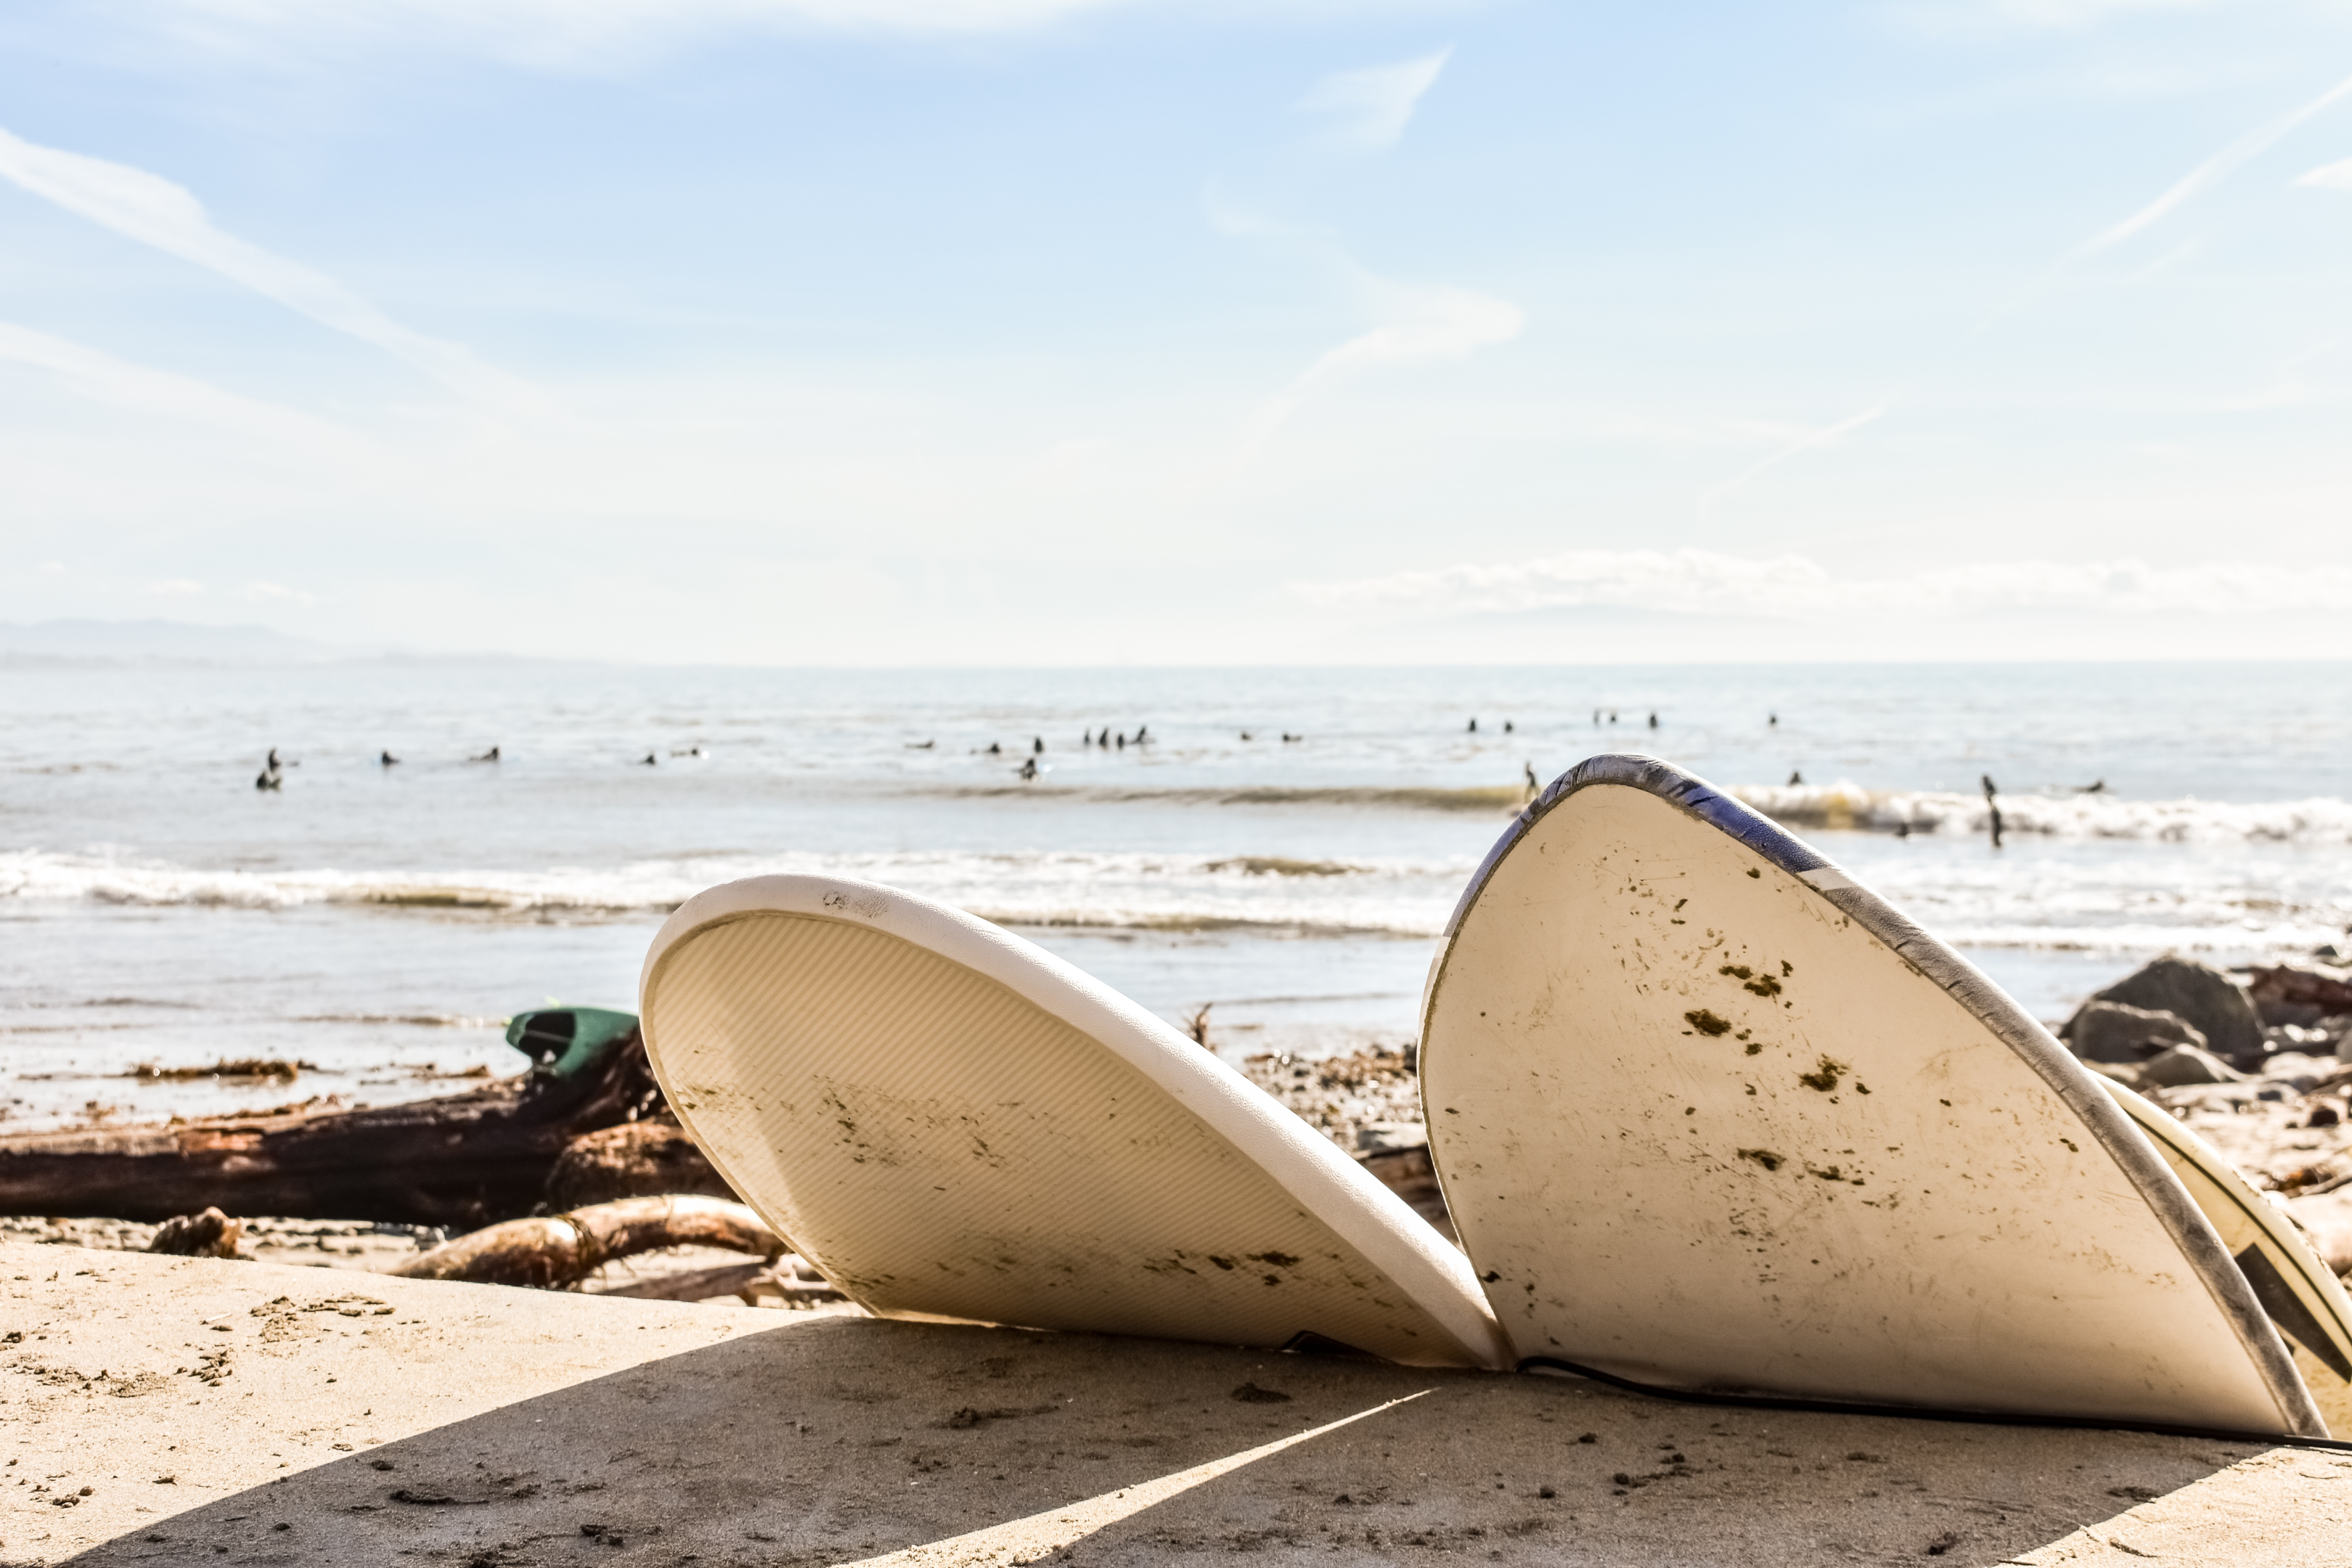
[(1844, 805)]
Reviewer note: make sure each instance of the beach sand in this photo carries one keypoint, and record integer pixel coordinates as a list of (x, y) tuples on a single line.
[(162, 1410)]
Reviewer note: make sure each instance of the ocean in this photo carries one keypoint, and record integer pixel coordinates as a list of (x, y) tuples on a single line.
[(378, 923)]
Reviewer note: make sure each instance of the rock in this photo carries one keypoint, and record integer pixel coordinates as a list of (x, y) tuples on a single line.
[(2184, 1065), (2113, 1032), (2295, 1071), (634, 1160), (2300, 993), (2215, 1005), (1386, 1136), (210, 1233)]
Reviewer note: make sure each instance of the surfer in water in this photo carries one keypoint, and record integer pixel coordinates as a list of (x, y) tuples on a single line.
[(386, 759), (489, 757), (1992, 804), (1029, 767)]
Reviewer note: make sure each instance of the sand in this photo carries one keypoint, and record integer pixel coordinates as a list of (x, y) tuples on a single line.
[(165, 1410)]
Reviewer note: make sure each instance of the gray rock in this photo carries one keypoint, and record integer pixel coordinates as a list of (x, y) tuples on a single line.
[(2296, 1073), (2186, 1065), (2112, 1032), (2215, 1005)]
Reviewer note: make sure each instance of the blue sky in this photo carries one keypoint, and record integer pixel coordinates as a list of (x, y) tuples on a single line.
[(1056, 332)]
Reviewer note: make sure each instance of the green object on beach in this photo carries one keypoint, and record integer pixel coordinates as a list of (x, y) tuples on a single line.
[(564, 1040)]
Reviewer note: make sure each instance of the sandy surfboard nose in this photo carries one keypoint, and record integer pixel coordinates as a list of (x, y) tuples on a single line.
[(952, 1123), (1709, 1117)]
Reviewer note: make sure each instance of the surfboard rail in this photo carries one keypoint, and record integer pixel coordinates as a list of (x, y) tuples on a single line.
[(1316, 1175), (2145, 1169)]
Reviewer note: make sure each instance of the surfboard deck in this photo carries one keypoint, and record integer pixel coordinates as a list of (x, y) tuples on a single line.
[(949, 1122), (2301, 1295), (1711, 1117)]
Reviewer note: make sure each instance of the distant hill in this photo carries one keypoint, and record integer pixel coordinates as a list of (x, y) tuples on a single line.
[(165, 642)]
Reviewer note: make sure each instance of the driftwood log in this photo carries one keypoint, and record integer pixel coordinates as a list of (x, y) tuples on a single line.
[(552, 1251), (465, 1160)]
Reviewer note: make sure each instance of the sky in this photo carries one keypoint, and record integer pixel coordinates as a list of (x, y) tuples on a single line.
[(1099, 331)]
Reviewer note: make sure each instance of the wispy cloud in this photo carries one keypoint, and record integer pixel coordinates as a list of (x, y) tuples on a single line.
[(2330, 176), (2211, 172), (1801, 441), (1704, 582), (572, 35), (279, 591), (153, 210), (1422, 326), (141, 389), (1369, 109)]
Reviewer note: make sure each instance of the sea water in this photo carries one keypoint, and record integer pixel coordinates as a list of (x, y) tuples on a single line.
[(1279, 847)]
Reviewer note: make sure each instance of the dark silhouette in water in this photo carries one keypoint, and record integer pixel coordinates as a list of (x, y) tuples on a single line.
[(489, 757), (1037, 745), (1993, 806), (1142, 733), (1795, 777), (1474, 728), (920, 745), (1029, 767), (1286, 735), (1654, 720), (1506, 726), (269, 779), (1773, 720), (994, 749), (1532, 784), (1245, 734), (386, 759), (2098, 788), (651, 760)]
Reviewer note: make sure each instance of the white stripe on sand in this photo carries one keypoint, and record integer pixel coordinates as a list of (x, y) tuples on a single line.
[(1026, 1540)]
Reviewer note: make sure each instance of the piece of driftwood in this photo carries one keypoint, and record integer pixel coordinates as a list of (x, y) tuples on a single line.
[(211, 1233), (550, 1252), (464, 1160), (634, 1160)]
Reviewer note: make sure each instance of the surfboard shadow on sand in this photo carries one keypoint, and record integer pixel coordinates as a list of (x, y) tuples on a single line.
[(845, 1440)]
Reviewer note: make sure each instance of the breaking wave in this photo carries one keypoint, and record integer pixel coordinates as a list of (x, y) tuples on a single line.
[(1137, 891), (2076, 814)]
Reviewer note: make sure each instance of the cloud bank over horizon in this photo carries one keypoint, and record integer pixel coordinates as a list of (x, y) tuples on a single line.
[(1705, 583), (1087, 331)]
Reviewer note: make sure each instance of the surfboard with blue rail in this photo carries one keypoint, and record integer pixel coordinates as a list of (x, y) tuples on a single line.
[(1712, 1117)]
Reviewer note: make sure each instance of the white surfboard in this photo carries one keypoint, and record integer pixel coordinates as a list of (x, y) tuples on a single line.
[(2299, 1292), (1710, 1117), (951, 1123)]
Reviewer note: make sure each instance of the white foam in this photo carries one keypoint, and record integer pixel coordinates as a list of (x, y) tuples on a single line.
[(1845, 805), (1065, 888)]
